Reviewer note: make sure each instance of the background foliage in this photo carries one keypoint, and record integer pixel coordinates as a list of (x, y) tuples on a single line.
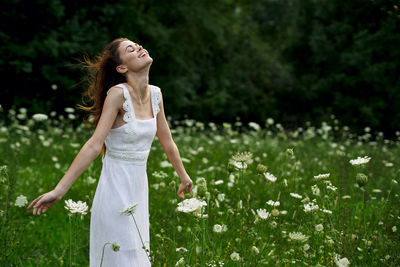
[(292, 60)]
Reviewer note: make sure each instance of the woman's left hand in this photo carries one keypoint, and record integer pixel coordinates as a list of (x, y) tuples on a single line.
[(185, 183)]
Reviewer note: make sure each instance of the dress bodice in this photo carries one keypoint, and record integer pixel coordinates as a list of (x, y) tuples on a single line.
[(132, 141)]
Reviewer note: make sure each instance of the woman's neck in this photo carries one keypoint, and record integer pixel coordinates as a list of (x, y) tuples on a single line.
[(140, 87)]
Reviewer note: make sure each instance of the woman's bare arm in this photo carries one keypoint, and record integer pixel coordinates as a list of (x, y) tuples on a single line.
[(89, 151), (92, 148), (171, 150)]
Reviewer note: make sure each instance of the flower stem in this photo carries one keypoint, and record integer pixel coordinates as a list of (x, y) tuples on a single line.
[(202, 245), (102, 254), (70, 241), (144, 247)]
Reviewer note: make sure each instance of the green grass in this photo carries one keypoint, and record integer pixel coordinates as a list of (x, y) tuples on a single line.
[(363, 227)]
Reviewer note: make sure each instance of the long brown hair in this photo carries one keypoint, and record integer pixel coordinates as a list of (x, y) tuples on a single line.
[(101, 76)]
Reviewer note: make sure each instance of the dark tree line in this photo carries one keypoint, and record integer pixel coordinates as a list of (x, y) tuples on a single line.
[(292, 60)]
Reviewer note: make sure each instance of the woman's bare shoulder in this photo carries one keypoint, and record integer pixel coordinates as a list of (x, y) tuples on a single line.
[(116, 90), (115, 96)]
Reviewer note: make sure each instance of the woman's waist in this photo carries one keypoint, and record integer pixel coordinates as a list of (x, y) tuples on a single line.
[(132, 156)]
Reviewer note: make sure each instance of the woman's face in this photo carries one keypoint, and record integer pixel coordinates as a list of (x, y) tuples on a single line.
[(134, 57)]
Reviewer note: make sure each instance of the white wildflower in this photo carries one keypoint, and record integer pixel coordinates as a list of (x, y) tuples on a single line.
[(221, 197), (69, 110), (219, 182), (273, 203), (255, 126), (165, 164), (344, 262), (235, 256), (243, 157), (90, 180), (310, 207), (315, 190), (21, 201), (180, 262), (191, 205), (270, 177), (319, 227), (238, 164), (218, 228), (321, 176), (263, 214), (331, 187), (40, 117), (181, 249), (270, 121), (360, 160), (76, 207), (129, 210), (255, 249), (326, 211), (295, 195), (297, 236)]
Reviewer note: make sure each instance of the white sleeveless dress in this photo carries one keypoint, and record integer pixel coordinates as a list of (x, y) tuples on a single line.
[(123, 182)]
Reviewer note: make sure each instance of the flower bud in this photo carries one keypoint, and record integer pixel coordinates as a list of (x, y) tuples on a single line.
[(275, 212), (115, 246), (261, 169), (201, 187), (361, 179)]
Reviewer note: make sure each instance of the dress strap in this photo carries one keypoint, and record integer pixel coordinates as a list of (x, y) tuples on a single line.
[(127, 106), (155, 99)]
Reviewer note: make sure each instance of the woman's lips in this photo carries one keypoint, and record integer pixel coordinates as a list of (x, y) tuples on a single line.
[(144, 54)]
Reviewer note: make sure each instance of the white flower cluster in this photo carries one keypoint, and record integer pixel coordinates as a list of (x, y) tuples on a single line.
[(297, 236), (295, 195), (160, 174), (235, 256), (238, 164), (243, 157), (76, 207), (344, 262), (192, 205), (263, 214), (270, 177), (315, 190), (330, 186), (219, 228), (321, 176), (180, 262), (40, 117), (273, 203), (21, 201), (360, 160), (129, 210), (310, 206)]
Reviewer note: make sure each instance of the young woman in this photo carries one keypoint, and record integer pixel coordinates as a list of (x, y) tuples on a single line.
[(128, 112)]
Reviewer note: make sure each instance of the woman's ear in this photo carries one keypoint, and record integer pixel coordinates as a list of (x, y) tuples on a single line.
[(121, 69)]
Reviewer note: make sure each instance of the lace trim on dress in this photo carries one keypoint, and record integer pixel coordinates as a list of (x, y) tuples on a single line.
[(127, 105), (156, 100), (128, 116), (128, 156)]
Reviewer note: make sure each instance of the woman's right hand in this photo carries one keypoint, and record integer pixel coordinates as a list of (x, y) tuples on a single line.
[(43, 202)]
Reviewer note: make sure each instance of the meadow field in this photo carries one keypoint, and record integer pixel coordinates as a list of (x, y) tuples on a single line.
[(262, 195)]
